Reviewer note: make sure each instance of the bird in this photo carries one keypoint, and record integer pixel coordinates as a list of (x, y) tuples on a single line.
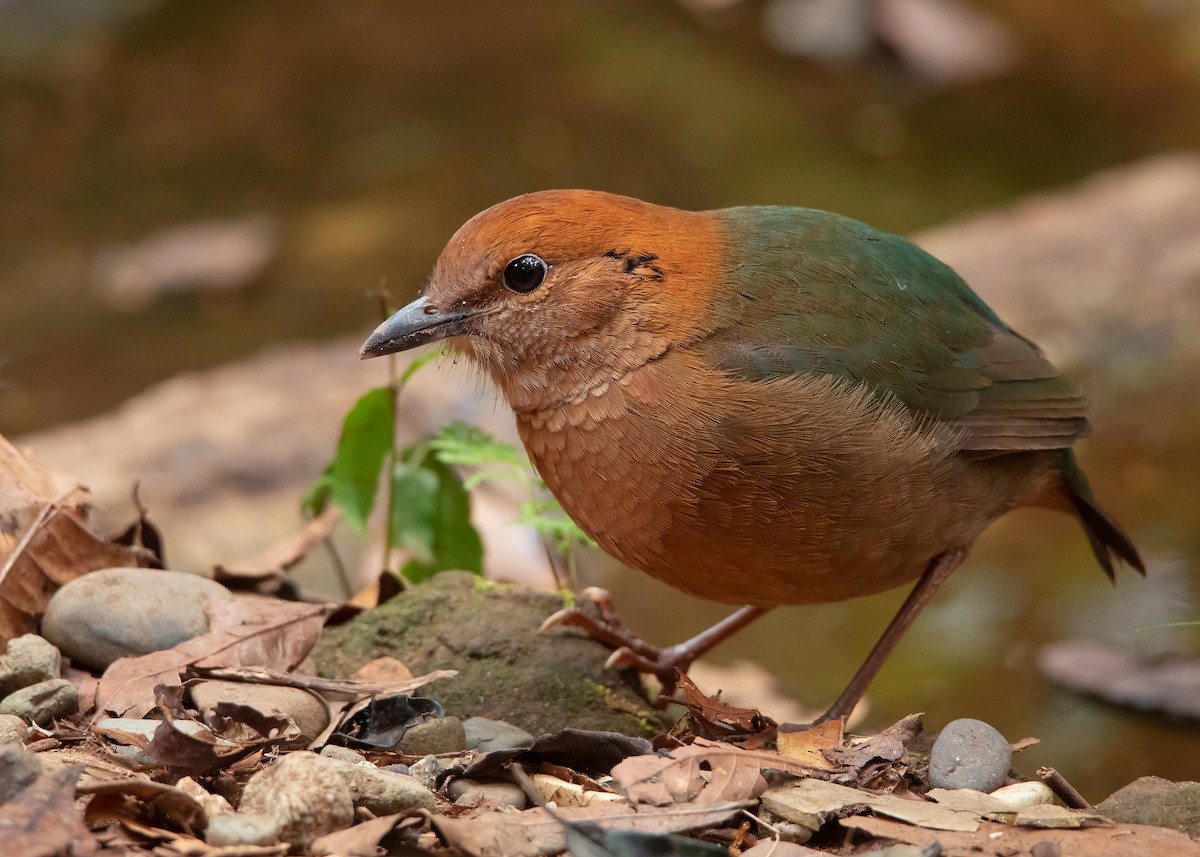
[(758, 405)]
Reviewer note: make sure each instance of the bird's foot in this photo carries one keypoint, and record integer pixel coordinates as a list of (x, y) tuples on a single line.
[(629, 650)]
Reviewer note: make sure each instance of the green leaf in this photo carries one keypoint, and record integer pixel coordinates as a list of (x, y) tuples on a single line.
[(548, 518), (471, 446), (353, 477), (431, 518), (414, 500)]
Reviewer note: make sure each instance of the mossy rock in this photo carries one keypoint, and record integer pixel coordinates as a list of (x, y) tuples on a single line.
[(506, 670)]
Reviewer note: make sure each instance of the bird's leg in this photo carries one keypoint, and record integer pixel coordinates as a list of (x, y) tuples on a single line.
[(631, 651), (939, 569)]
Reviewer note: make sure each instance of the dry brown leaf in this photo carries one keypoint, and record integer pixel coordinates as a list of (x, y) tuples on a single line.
[(534, 832), (701, 776), (808, 745), (361, 840), (713, 718), (246, 631), (812, 802), (999, 840), (169, 805), (264, 571), (44, 538), (42, 820)]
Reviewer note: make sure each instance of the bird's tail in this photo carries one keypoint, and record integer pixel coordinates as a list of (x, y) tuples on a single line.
[(1105, 536)]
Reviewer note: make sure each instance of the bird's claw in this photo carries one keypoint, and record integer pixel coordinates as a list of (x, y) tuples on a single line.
[(666, 672), (628, 650)]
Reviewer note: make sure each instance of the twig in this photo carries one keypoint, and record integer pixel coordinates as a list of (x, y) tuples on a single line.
[(526, 784), (1066, 792)]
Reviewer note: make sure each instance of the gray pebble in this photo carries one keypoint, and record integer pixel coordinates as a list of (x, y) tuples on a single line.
[(343, 754), (485, 735), (28, 660), (308, 710), (242, 828), (969, 754), (384, 792), (467, 792), (13, 729), (43, 702), (440, 735), (18, 768), (121, 612), (427, 770)]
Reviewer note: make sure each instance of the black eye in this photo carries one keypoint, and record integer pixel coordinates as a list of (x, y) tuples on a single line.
[(524, 273)]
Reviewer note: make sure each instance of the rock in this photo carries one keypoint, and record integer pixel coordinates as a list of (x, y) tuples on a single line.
[(1155, 801), (439, 735), (308, 710), (43, 702), (426, 771), (384, 792), (28, 660), (467, 792), (212, 804), (242, 828), (121, 612), (969, 754), (506, 669), (485, 735), (305, 793), (343, 754), (1024, 795), (18, 768), (13, 728)]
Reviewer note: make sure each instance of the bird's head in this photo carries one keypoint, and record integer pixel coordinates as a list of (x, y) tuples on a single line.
[(558, 291)]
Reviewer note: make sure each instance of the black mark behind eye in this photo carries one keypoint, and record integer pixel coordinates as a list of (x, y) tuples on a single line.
[(642, 263)]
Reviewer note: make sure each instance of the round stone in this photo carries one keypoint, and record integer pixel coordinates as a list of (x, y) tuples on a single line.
[(27, 660), (124, 612), (969, 754), (306, 709)]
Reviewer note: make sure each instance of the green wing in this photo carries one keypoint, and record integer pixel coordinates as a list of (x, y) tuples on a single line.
[(820, 293)]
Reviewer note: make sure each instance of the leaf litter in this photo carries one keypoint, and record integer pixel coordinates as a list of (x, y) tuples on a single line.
[(152, 783)]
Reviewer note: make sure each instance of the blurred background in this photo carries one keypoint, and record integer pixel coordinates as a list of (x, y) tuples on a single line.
[(183, 185)]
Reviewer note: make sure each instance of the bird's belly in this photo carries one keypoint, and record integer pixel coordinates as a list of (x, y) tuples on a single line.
[(754, 505)]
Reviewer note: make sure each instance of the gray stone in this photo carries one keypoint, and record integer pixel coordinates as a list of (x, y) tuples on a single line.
[(122, 612), (384, 792), (1155, 801), (472, 793), (308, 710), (27, 660), (427, 770), (485, 735), (13, 729), (305, 792), (440, 735), (242, 828), (342, 754), (43, 702), (969, 754), (18, 768)]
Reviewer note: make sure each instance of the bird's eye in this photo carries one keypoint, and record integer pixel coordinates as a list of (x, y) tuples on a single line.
[(525, 273)]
